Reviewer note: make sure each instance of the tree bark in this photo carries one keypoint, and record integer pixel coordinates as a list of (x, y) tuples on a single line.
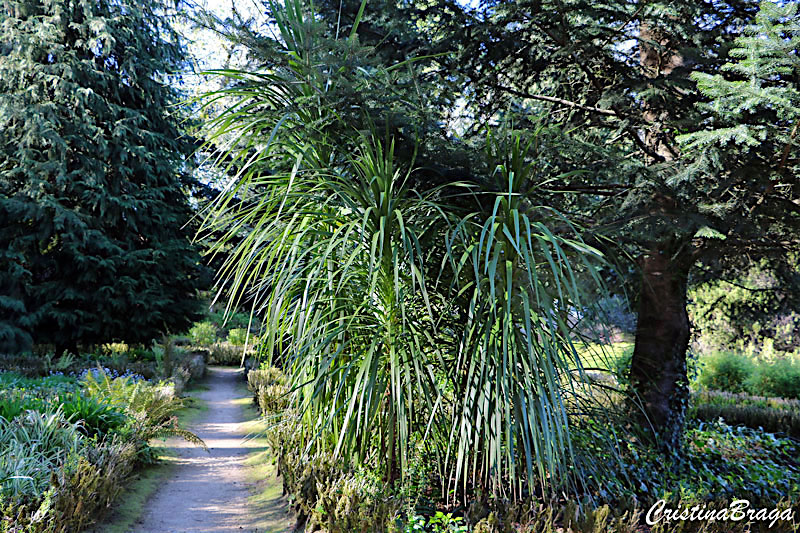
[(658, 368)]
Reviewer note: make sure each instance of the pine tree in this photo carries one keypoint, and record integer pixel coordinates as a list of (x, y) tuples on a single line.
[(93, 172)]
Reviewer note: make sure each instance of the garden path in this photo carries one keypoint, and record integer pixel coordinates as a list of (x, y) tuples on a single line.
[(209, 491)]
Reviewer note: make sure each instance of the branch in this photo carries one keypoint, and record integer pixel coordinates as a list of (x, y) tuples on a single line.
[(554, 100), (600, 190)]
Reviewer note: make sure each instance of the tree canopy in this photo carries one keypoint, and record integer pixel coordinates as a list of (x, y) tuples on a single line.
[(94, 175)]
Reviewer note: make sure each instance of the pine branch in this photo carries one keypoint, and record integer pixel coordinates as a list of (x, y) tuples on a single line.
[(554, 100)]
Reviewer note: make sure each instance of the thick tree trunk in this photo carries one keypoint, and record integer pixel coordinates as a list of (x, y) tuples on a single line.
[(658, 369)]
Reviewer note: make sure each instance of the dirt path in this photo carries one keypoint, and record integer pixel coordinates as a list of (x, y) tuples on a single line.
[(210, 491)]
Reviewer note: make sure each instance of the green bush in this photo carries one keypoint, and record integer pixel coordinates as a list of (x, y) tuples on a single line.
[(81, 494), (780, 378), (727, 371), (225, 353), (268, 386), (96, 416), (203, 333), (238, 337), (234, 320)]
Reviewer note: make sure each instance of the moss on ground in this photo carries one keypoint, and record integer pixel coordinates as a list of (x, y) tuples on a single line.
[(266, 498)]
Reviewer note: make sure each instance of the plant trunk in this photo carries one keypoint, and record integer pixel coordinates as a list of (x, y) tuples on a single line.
[(658, 368)]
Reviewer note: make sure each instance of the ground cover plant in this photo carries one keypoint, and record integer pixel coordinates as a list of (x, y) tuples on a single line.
[(70, 443)]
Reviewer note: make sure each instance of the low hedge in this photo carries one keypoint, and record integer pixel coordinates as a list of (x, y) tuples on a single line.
[(774, 415)]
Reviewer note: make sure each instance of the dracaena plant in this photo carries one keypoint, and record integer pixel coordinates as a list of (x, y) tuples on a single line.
[(516, 364), (344, 259)]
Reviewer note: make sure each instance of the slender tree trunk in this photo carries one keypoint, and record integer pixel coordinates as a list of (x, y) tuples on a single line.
[(658, 369)]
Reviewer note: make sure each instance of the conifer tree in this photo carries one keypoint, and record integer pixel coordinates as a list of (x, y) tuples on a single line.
[(93, 175), (620, 76)]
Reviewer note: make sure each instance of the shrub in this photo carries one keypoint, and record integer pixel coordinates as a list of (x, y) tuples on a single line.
[(353, 501), (268, 386), (97, 416), (238, 337), (727, 371), (780, 378), (234, 320), (203, 333), (225, 353)]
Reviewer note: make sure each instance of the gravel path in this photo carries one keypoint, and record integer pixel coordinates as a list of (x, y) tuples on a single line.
[(209, 491)]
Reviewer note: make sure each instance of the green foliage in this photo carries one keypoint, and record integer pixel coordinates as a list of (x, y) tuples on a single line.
[(446, 523), (727, 371), (780, 378), (35, 444), (68, 446), (438, 523), (516, 274), (96, 416), (13, 403), (226, 353), (774, 415), (81, 495), (748, 312), (228, 321), (340, 251), (150, 407), (765, 56), (268, 385), (92, 176), (238, 337), (360, 268), (738, 463), (203, 333), (737, 372), (721, 463)]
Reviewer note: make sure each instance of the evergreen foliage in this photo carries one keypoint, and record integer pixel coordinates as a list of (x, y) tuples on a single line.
[(762, 101), (93, 172)]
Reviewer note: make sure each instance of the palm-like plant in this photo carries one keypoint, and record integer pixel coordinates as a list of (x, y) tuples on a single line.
[(323, 232), (515, 360), (329, 247)]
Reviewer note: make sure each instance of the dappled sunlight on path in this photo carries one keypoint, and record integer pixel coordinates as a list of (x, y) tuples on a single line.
[(209, 491)]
